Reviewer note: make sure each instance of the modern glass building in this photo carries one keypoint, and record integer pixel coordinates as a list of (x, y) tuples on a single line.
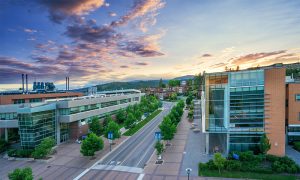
[(65, 118), (236, 109)]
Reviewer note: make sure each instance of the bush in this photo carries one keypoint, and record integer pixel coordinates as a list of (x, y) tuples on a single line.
[(202, 166), (285, 164), (44, 148), (233, 165), (21, 174), (272, 158), (91, 144), (297, 145), (211, 165), (21, 153), (3, 145)]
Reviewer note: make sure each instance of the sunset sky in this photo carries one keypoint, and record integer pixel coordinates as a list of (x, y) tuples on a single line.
[(98, 41)]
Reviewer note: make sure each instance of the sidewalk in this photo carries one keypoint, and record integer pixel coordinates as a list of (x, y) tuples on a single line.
[(173, 156), (67, 163)]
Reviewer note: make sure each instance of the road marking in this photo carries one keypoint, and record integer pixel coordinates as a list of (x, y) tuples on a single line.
[(119, 168), (140, 176)]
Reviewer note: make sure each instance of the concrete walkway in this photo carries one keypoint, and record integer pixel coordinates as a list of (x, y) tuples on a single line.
[(67, 163), (174, 156), (293, 154)]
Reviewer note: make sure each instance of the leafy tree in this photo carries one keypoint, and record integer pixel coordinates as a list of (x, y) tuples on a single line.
[(174, 82), (159, 147), (189, 100), (106, 120), (173, 96), (167, 129), (264, 145), (160, 84), (21, 174), (130, 120), (114, 128), (138, 114), (91, 144), (44, 148), (219, 161), (95, 126), (121, 116)]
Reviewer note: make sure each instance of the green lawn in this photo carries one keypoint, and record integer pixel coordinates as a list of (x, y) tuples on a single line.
[(250, 175), (141, 124)]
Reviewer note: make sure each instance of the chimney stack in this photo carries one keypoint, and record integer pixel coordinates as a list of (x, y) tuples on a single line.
[(23, 83), (66, 83), (26, 77)]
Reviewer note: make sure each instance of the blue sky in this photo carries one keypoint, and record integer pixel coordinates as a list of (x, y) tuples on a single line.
[(97, 41)]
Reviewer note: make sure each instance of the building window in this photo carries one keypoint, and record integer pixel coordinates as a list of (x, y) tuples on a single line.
[(297, 97), (33, 100), (19, 101)]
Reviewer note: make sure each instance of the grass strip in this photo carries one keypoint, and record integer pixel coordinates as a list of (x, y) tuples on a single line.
[(243, 175), (141, 124)]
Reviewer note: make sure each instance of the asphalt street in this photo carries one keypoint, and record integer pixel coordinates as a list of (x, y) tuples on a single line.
[(137, 150)]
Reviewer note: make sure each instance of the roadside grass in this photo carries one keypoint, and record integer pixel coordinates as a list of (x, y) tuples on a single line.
[(141, 124), (247, 175)]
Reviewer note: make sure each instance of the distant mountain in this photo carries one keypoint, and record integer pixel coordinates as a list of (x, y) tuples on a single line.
[(186, 77), (129, 85), (136, 84)]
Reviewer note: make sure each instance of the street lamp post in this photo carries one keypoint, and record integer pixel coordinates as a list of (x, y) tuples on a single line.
[(188, 171)]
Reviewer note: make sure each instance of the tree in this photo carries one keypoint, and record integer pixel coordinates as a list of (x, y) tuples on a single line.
[(44, 148), (160, 84), (121, 116), (95, 126), (219, 161), (21, 174), (173, 96), (264, 145), (114, 128), (138, 114), (130, 120), (188, 100), (106, 120), (91, 144), (159, 147), (174, 82), (167, 129)]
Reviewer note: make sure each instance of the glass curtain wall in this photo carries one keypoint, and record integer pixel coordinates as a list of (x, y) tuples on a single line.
[(34, 127), (246, 109), (216, 85)]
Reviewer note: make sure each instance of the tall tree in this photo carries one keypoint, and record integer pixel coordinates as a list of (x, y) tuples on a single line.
[(121, 116), (95, 126), (130, 120), (167, 129), (91, 144), (160, 84), (114, 128)]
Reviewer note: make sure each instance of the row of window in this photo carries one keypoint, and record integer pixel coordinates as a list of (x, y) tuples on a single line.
[(8, 116)]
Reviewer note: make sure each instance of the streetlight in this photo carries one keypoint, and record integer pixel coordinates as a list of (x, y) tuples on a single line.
[(188, 171)]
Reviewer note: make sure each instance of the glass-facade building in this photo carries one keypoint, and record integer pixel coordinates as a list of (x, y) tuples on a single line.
[(234, 110)]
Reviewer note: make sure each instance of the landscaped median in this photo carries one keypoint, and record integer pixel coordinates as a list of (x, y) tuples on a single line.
[(246, 165), (142, 123)]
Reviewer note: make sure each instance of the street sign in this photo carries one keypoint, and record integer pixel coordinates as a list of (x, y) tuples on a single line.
[(158, 136), (110, 135), (110, 141)]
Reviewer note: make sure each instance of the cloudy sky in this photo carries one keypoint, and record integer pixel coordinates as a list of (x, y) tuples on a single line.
[(97, 41)]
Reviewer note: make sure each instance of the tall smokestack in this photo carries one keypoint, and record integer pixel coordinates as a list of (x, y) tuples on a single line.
[(66, 83), (26, 77), (23, 83)]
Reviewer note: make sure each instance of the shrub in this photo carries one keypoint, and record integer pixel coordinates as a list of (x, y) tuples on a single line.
[(21, 153), (202, 166), (246, 156), (285, 164), (297, 145), (44, 148), (277, 167), (21, 174), (272, 158), (3, 145), (211, 165), (231, 165)]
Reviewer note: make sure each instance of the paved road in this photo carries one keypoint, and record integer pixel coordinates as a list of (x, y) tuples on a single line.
[(136, 151), (130, 156)]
